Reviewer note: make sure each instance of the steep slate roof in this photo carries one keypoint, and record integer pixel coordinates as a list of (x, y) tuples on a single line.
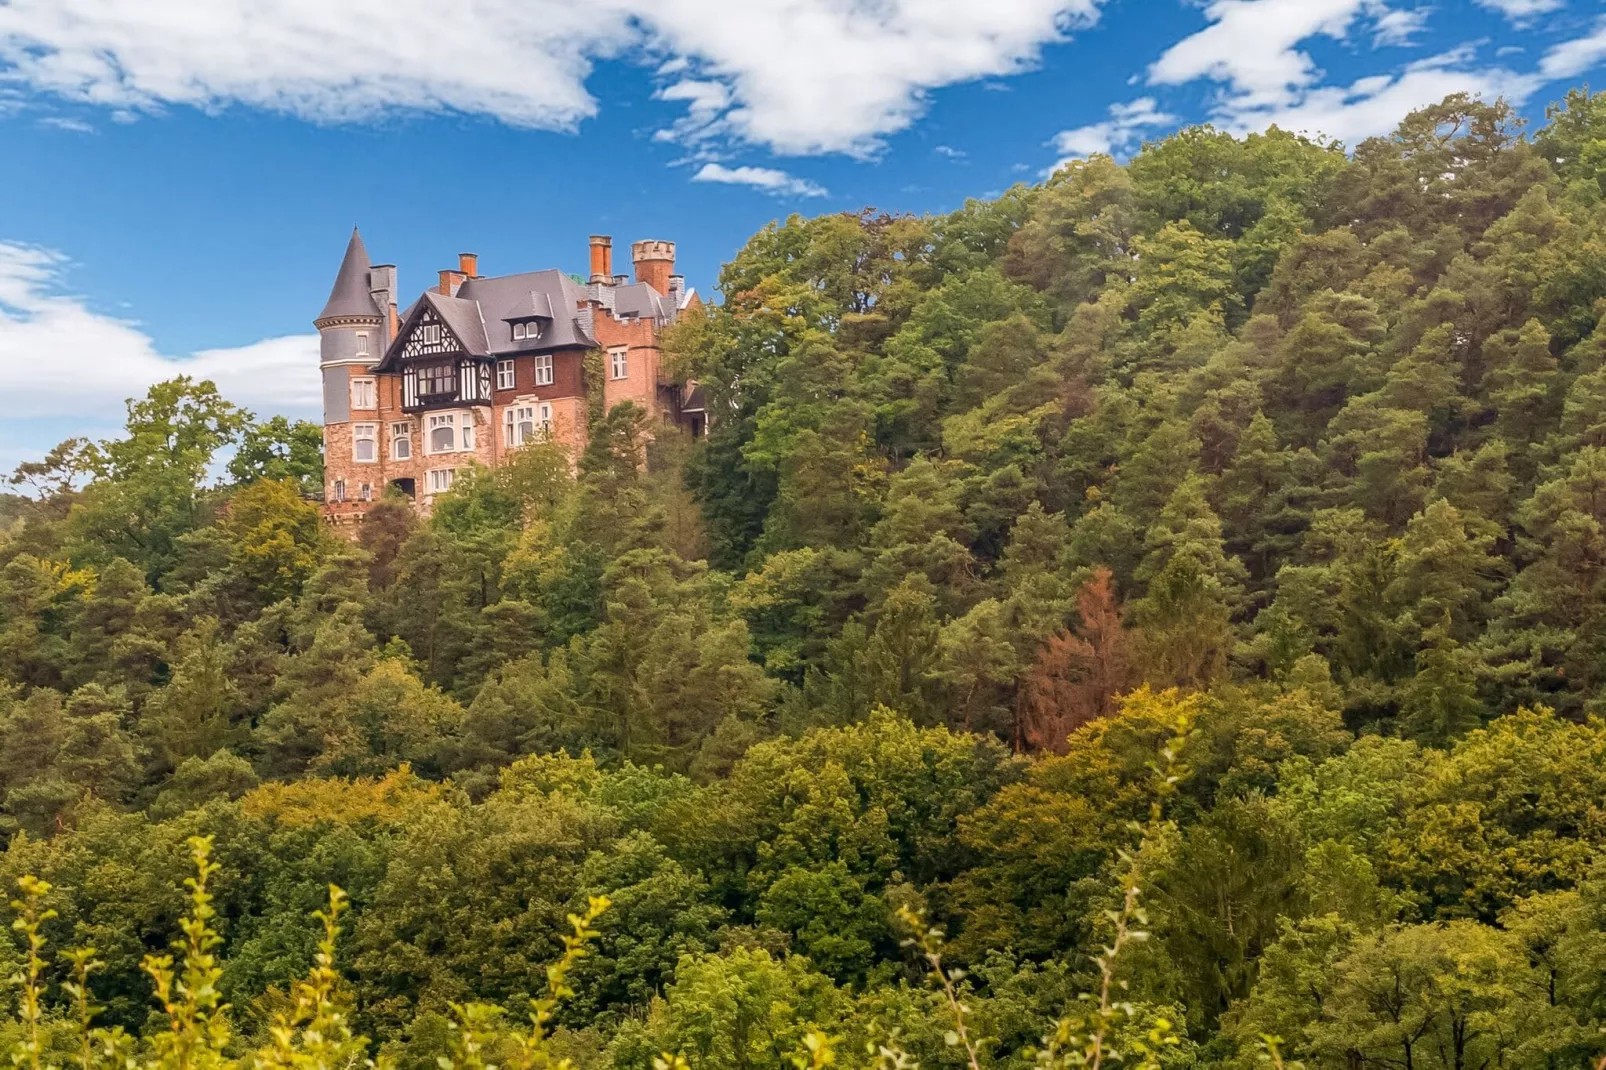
[(481, 315), (483, 311), (640, 300), (550, 296), (351, 296), (462, 318)]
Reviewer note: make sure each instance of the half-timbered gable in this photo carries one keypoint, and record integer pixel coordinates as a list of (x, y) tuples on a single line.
[(441, 364)]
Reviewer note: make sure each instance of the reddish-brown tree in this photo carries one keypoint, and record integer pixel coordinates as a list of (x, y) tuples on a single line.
[(1077, 675)]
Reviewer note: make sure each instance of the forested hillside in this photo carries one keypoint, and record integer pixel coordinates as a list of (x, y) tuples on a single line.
[(1200, 557)]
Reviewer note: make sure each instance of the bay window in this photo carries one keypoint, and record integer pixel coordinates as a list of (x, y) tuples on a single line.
[(442, 433)]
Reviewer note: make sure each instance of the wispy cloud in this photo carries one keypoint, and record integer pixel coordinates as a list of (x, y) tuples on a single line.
[(1120, 133), (1399, 28), (1255, 49), (1572, 58), (1523, 12), (62, 122), (767, 179)]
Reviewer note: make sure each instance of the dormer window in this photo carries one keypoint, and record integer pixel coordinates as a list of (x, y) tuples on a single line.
[(526, 330), (518, 331)]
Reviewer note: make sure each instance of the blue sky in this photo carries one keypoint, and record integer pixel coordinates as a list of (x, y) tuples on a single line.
[(180, 176)]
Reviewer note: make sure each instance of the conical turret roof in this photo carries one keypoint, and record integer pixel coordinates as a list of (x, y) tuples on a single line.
[(351, 296)]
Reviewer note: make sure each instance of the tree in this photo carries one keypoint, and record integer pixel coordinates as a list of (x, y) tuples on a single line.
[(1233, 877), (274, 537), (1427, 996), (902, 658), (147, 486), (1445, 571), (282, 451), (742, 1009), (196, 713), (1185, 616), (1078, 675), (659, 914), (1441, 701), (319, 681)]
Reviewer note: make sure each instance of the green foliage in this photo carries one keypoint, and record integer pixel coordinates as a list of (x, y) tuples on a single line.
[(1182, 582)]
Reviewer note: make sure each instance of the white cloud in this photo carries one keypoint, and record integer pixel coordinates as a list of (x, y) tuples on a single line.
[(1572, 58), (704, 100), (1522, 11), (1399, 27), (60, 122), (799, 76), (65, 360), (1119, 133), (1253, 47), (1375, 106), (950, 152), (763, 178)]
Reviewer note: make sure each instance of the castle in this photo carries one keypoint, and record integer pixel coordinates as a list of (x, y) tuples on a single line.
[(478, 367)]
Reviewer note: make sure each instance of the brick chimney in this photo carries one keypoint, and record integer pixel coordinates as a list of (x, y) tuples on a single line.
[(655, 262), (601, 259), (469, 264), (451, 280)]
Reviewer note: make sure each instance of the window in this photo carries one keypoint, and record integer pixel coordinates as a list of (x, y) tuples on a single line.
[(504, 375), (543, 369), (525, 422), (362, 343), (362, 393), (518, 330), (431, 333), (435, 380), (366, 492), (440, 480), (365, 443), (442, 433), (401, 442), (619, 362), (337, 492)]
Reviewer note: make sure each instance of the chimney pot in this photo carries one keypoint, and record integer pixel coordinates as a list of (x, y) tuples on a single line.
[(602, 259), (469, 264)]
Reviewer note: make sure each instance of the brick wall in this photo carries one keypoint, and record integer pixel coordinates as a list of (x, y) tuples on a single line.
[(640, 337)]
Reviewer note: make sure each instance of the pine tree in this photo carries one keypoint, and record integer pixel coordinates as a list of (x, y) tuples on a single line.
[(1078, 674)]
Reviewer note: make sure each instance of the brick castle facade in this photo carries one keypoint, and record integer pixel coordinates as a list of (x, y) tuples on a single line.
[(479, 367)]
